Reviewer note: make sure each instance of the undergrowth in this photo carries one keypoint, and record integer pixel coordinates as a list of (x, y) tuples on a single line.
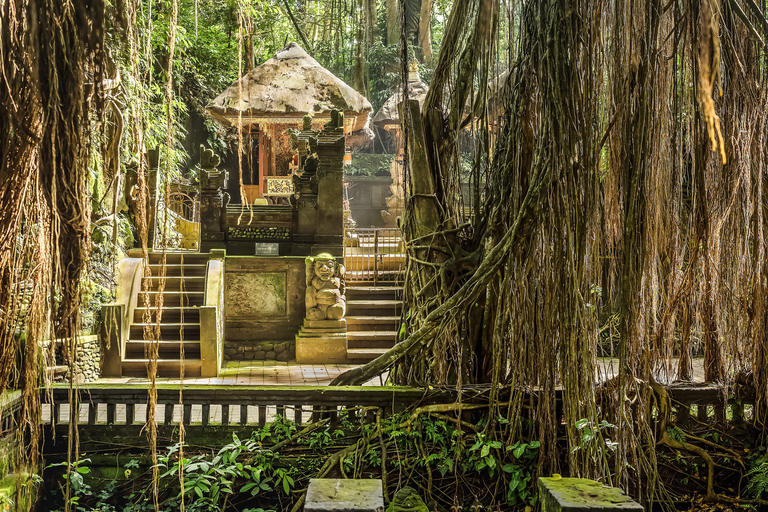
[(270, 469)]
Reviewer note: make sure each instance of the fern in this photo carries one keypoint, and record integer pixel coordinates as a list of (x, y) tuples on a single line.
[(757, 480)]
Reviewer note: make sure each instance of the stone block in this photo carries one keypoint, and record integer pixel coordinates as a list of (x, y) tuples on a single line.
[(582, 495), (321, 348), (326, 324), (337, 495)]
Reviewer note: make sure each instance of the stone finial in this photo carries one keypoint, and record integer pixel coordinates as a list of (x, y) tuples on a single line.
[(208, 159), (336, 122), (293, 138), (325, 288), (306, 123)]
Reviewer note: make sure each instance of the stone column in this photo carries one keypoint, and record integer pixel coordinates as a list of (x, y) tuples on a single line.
[(304, 198), (212, 210), (330, 187)]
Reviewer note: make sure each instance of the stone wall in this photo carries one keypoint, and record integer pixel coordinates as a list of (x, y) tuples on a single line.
[(263, 306), (260, 350), (87, 366)]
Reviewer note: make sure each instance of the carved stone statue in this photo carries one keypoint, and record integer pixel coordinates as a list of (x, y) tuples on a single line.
[(325, 288), (306, 123), (336, 122)]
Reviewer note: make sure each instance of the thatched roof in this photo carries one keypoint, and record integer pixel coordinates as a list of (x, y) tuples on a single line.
[(388, 115), (290, 85)]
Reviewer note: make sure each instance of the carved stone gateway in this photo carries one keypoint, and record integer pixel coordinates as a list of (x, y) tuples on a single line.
[(323, 337)]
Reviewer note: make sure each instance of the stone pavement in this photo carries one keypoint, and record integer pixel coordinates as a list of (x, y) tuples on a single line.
[(261, 373)]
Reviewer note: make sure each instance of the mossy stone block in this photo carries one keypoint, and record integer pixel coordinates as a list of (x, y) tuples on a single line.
[(582, 495), (339, 495)]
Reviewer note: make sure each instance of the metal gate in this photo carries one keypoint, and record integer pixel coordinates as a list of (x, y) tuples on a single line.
[(375, 255), (184, 222)]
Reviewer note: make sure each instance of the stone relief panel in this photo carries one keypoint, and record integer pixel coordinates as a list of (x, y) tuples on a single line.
[(256, 295)]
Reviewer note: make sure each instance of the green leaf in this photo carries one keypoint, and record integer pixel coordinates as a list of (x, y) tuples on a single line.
[(518, 450), (534, 444), (580, 424), (486, 449), (84, 470)]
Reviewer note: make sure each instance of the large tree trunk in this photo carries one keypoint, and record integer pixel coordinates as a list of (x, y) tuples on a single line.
[(425, 33), (393, 22)]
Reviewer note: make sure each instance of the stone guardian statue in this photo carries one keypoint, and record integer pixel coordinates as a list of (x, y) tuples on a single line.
[(325, 288)]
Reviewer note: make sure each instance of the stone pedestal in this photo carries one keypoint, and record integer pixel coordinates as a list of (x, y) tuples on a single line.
[(322, 341), (344, 495)]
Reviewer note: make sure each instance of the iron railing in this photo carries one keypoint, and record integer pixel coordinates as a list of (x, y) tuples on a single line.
[(374, 254)]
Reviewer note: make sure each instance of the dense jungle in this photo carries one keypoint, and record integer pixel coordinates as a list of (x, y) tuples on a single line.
[(585, 223)]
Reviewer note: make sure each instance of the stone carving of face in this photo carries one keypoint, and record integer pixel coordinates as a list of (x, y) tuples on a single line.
[(324, 269)]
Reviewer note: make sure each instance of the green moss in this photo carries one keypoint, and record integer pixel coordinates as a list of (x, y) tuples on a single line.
[(572, 493)]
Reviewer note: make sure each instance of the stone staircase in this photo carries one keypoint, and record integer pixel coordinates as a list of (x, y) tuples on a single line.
[(180, 319), (373, 319)]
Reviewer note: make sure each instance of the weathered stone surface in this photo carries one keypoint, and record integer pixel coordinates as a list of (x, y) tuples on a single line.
[(256, 294), (326, 324), (321, 349), (253, 329), (337, 495), (582, 495), (270, 356)]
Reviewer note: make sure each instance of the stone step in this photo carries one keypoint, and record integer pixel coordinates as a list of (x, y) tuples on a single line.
[(373, 323), (374, 307), (171, 257), (173, 298), (169, 350), (374, 292), (165, 368), (176, 283), (168, 331), (364, 277), (176, 269), (170, 314), (363, 355), (371, 339)]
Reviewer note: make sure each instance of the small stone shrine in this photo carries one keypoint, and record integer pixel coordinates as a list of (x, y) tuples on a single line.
[(323, 336)]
